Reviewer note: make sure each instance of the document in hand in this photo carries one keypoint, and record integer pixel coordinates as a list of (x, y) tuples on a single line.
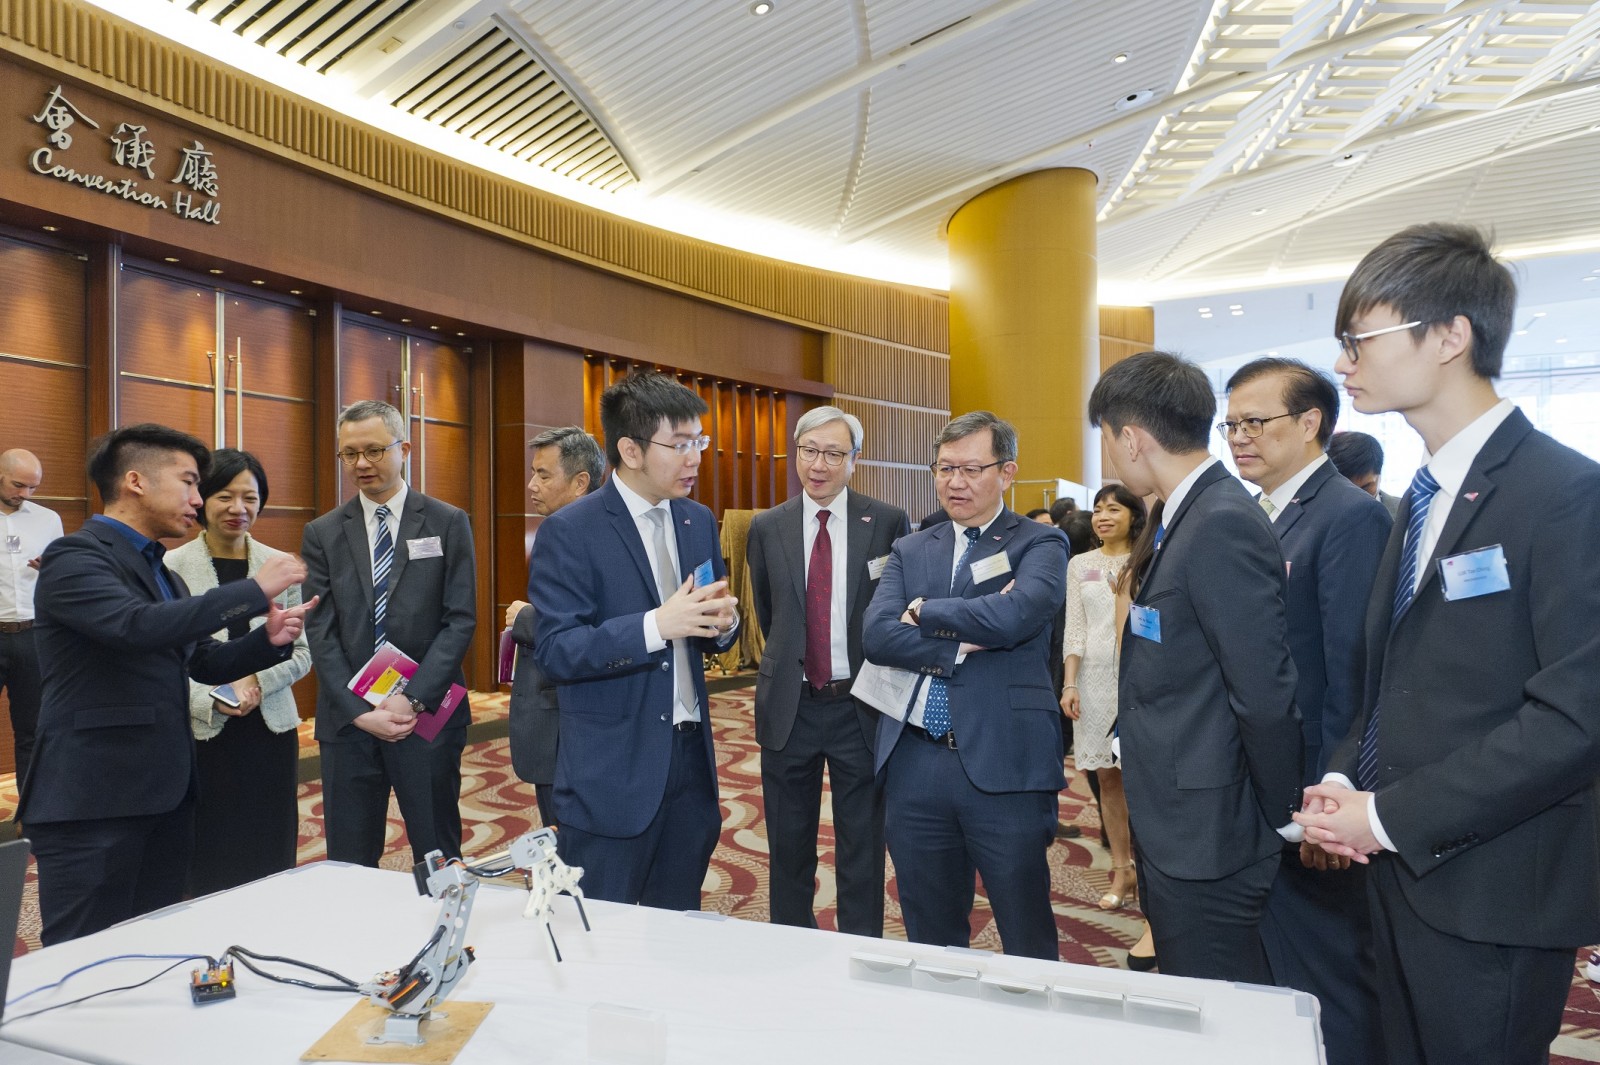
[(388, 672), (886, 689), (508, 656)]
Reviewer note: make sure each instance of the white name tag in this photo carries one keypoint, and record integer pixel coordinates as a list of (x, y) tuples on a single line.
[(424, 547), (875, 567), (987, 569)]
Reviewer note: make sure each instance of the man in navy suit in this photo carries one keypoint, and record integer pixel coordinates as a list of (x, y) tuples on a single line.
[(1210, 738), (109, 801), (971, 770), (629, 589), (1471, 773), (1317, 931)]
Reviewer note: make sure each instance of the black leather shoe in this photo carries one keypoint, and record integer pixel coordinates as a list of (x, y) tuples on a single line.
[(1066, 831), (1140, 963)]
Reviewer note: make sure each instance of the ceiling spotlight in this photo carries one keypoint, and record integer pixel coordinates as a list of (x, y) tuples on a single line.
[(1205, 314), (213, 270), (1120, 57), (1349, 159), (761, 7), (1539, 314), (295, 291), (1205, 310), (378, 314), (172, 258), (1259, 211), (1522, 332), (433, 327), (1235, 306), (1561, 340), (1236, 312), (257, 281), (463, 334), (52, 229), (1133, 100), (405, 321)]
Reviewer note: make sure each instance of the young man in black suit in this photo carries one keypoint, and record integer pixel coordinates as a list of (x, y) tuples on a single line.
[(814, 564), (1209, 733), (1280, 416), (109, 802), (1472, 772)]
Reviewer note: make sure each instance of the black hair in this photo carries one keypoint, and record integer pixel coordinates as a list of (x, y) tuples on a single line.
[(1356, 454), (1303, 389), (1080, 533), (1143, 550), (1130, 502), (1167, 396), (1062, 509), (140, 447), (1430, 273), (1037, 512), (226, 464), (635, 406)]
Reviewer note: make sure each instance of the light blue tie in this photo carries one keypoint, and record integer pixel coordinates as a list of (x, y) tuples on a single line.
[(936, 711), (1423, 489), (382, 559)]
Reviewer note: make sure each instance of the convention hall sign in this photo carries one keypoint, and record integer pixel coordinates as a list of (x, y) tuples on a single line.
[(124, 160)]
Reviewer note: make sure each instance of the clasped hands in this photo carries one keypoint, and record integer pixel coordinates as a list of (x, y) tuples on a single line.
[(705, 611), (1336, 823), (908, 618)]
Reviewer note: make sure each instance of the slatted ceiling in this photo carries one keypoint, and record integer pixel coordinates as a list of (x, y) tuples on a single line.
[(893, 24)]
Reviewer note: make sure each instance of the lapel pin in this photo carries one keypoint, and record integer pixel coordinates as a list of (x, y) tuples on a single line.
[(866, 517), (686, 521), (997, 536), (1472, 497)]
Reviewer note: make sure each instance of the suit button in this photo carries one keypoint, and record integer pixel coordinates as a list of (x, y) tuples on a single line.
[(1438, 852), (663, 717), (666, 665)]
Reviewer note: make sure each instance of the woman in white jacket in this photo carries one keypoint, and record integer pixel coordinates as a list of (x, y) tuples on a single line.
[(247, 820)]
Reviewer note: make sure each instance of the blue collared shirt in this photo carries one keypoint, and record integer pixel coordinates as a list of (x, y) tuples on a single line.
[(152, 551)]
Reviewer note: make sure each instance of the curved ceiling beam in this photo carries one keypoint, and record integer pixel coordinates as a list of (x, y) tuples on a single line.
[(1210, 90), (669, 176)]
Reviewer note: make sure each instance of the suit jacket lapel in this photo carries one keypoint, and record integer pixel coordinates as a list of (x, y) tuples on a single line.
[(685, 532), (410, 529), (792, 542), (1215, 473), (1475, 491), (628, 530), (124, 551), (856, 549), (355, 536), (1293, 510), (938, 561)]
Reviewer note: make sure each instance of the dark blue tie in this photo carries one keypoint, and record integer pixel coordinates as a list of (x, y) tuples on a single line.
[(1423, 489), (936, 711), (382, 559)]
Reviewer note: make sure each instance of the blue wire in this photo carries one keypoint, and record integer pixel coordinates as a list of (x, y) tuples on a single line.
[(103, 961)]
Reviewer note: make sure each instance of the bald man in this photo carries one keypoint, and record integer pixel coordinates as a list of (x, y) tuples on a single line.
[(26, 528)]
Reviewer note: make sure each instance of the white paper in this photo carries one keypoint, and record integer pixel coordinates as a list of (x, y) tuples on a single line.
[(886, 689)]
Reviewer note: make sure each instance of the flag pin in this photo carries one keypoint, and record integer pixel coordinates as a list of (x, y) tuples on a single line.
[(1472, 497), (997, 536), (866, 517)]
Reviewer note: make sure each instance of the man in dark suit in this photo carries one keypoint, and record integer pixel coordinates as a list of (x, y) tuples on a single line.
[(632, 593), (1317, 931), (567, 464), (396, 566), (1210, 738), (1471, 774), (814, 563), (109, 801), (972, 768), (1359, 457)]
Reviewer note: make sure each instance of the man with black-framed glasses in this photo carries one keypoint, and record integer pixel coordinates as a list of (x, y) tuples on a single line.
[(392, 566), (814, 563), (630, 592)]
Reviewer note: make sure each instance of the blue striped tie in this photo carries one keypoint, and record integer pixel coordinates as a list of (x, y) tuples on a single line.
[(382, 559), (936, 711), (1423, 489)]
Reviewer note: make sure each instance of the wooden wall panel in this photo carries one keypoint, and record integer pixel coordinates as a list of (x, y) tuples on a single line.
[(42, 296), (180, 406), (165, 327), (369, 365), (448, 458), (52, 397)]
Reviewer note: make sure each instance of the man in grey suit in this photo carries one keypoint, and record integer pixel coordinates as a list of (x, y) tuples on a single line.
[(814, 564), (567, 464), (1210, 737), (390, 565), (1317, 930)]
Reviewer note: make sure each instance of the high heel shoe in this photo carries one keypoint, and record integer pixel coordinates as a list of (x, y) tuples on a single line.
[(1113, 900), (1143, 963)]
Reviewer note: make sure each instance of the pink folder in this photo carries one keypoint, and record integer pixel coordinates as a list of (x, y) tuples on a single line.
[(388, 672)]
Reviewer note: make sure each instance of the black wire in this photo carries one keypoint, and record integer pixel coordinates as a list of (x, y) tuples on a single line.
[(111, 990), (245, 958)]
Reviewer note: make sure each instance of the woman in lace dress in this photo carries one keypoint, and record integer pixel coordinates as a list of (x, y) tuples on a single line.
[(1090, 693)]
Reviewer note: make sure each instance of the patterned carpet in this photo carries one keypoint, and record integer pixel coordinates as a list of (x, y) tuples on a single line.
[(496, 807)]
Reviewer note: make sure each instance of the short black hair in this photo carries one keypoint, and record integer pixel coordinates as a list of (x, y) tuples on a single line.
[(1062, 509), (135, 447), (1356, 454), (635, 406), (1130, 502), (1038, 512), (1167, 396), (1303, 389), (1430, 273), (1079, 530), (226, 464), (578, 451)]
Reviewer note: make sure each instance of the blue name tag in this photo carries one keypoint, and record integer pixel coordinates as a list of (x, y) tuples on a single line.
[(704, 574), (1474, 573), (1145, 621)]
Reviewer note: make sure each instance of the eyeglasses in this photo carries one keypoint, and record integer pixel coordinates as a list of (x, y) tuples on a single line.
[(1351, 342), (832, 458), (970, 473), (684, 448), (1253, 427), (350, 456)]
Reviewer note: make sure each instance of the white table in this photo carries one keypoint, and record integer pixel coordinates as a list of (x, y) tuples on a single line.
[(731, 991)]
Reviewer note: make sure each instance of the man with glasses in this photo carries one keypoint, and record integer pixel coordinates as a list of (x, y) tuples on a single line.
[(630, 592), (1317, 932), (1210, 738), (814, 563), (1469, 782), (391, 565), (972, 767)]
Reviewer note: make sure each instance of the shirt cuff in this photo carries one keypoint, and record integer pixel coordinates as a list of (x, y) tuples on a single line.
[(961, 656), (1373, 821), (652, 635), (1292, 832)]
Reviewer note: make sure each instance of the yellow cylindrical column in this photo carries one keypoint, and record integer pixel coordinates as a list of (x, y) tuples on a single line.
[(1024, 323)]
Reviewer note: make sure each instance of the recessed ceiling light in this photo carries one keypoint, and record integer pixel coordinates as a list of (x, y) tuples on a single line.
[(378, 313), (52, 229), (1235, 306), (1205, 314), (405, 321), (1236, 312), (1120, 57), (172, 258), (1259, 211), (1593, 277), (1539, 314), (1522, 332), (1205, 310), (1134, 99), (761, 7), (213, 270), (1349, 159), (433, 327), (295, 291), (1561, 340), (257, 281), (461, 334)]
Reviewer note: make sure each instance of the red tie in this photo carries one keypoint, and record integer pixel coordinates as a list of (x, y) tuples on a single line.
[(819, 607)]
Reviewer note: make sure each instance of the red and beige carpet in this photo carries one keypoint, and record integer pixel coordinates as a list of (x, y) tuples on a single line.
[(497, 807)]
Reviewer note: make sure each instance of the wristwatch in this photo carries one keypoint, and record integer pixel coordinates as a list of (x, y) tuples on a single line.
[(416, 705), (914, 608)]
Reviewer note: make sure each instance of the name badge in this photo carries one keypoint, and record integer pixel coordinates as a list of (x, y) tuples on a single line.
[(424, 547), (1474, 573), (1091, 575), (1145, 622), (876, 566), (987, 569), (14, 543), (704, 574)]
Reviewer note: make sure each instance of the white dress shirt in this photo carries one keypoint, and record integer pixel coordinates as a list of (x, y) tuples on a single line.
[(370, 509), (957, 549), (839, 536), (1286, 492), (1180, 493), (23, 538)]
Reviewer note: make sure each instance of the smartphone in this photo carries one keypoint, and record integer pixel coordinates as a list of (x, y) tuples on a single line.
[(224, 693)]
